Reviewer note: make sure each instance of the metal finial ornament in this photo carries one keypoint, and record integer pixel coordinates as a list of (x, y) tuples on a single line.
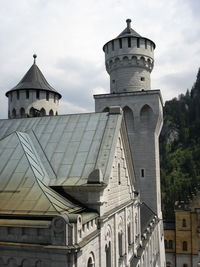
[(128, 21), (34, 56)]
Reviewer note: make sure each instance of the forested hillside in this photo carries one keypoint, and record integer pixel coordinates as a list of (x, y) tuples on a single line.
[(180, 149)]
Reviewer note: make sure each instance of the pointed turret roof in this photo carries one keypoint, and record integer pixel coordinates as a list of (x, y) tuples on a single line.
[(34, 79), (128, 31)]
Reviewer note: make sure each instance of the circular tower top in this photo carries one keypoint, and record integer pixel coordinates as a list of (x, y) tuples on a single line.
[(33, 96), (129, 61)]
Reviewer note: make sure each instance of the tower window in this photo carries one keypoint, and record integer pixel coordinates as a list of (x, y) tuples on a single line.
[(11, 97), (184, 223), (184, 246), (142, 173), (27, 94), (47, 96), (170, 244), (17, 95), (120, 43), (113, 46), (138, 42), (113, 81), (145, 44), (38, 94), (129, 42), (142, 79), (54, 98)]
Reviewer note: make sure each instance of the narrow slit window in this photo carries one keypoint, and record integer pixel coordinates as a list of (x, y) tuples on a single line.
[(145, 44), (113, 46), (120, 43), (129, 42), (54, 98), (119, 174), (27, 94), (138, 42), (142, 173), (17, 95), (47, 96), (38, 94)]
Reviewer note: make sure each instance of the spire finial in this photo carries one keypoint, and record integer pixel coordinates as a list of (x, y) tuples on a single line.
[(128, 21), (34, 56)]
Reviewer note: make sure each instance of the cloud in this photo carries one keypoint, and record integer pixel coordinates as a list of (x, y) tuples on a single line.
[(68, 37)]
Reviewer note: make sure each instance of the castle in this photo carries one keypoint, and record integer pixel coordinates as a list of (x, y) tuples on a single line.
[(84, 189)]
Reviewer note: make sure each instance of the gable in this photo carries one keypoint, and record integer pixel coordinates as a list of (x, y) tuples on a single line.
[(120, 189)]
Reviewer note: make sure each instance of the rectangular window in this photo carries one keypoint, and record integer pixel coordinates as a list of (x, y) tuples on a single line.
[(38, 94), (138, 42), (129, 42), (120, 43), (142, 173), (27, 94), (145, 44), (113, 46), (17, 95), (47, 96), (142, 79)]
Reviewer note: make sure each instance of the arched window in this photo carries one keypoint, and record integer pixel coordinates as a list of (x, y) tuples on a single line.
[(184, 223), (146, 115), (42, 112), (108, 255), (14, 113), (22, 112), (56, 113), (170, 244), (91, 262), (129, 120), (184, 246), (51, 113), (106, 109)]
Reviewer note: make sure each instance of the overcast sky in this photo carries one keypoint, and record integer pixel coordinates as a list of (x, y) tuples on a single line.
[(68, 37)]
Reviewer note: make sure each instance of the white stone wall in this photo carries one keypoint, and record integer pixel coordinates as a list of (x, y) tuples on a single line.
[(32, 101), (119, 189), (129, 67)]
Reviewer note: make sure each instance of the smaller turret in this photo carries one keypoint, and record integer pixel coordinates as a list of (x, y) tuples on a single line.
[(129, 60), (32, 96)]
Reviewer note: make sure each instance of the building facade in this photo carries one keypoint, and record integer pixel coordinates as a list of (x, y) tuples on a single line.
[(84, 189), (182, 239)]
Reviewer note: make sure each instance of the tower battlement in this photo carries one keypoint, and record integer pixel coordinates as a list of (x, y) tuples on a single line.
[(129, 60)]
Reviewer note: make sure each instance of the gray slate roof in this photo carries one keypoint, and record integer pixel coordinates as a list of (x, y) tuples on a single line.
[(146, 215), (34, 79), (129, 33), (57, 151)]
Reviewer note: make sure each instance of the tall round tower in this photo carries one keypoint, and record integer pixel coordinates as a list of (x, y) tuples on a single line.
[(129, 61), (32, 96)]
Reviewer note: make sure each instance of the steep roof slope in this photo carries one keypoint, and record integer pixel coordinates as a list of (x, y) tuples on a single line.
[(24, 183), (70, 147)]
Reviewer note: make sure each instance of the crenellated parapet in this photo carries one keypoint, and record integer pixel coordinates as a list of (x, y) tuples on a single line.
[(129, 60)]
